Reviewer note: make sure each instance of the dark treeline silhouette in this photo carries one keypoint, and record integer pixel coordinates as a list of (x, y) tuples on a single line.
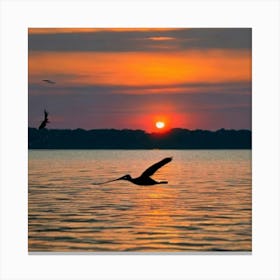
[(176, 138)]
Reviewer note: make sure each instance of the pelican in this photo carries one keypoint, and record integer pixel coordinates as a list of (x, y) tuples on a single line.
[(144, 179), (45, 121), (48, 81)]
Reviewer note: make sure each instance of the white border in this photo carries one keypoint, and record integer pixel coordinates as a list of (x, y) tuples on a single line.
[(262, 16)]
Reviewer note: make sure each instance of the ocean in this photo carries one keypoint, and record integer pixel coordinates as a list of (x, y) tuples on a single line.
[(205, 207)]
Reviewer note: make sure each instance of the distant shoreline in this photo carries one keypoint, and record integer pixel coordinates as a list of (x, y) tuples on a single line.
[(136, 149), (126, 139)]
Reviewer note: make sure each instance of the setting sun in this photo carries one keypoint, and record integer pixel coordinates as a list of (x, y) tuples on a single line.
[(160, 125)]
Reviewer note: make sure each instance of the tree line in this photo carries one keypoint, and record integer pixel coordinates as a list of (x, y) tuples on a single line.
[(176, 138)]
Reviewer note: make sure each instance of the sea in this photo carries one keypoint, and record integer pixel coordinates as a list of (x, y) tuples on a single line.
[(205, 207)]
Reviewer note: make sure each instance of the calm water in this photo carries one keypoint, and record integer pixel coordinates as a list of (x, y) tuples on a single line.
[(205, 207)]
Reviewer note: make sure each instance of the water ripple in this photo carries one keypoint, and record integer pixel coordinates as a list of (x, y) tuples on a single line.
[(205, 207)]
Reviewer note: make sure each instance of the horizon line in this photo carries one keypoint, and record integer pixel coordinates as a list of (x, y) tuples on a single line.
[(138, 129)]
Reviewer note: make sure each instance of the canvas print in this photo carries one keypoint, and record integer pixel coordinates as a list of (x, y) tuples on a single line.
[(139, 140)]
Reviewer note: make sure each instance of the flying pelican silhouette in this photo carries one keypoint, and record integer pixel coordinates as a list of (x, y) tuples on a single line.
[(48, 81), (144, 179), (45, 121)]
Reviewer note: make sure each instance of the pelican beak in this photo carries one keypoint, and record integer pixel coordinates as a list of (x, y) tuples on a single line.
[(107, 181), (114, 180)]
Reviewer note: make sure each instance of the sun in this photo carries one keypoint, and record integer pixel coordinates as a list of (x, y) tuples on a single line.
[(160, 124)]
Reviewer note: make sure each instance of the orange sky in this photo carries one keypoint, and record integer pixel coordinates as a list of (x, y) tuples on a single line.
[(107, 64), (138, 69), (90, 30)]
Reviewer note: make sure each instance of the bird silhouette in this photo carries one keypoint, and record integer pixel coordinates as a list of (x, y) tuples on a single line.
[(48, 81), (144, 179), (45, 121)]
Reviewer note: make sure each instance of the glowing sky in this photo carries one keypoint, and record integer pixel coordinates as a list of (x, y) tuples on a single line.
[(130, 78)]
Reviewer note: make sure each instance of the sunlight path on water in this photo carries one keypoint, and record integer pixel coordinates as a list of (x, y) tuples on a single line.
[(206, 206)]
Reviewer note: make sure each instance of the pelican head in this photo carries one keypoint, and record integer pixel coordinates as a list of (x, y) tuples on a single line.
[(125, 177)]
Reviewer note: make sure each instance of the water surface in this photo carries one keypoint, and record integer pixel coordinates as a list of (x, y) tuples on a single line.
[(206, 205)]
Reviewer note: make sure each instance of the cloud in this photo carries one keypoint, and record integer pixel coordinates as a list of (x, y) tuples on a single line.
[(238, 88), (139, 40), (160, 38)]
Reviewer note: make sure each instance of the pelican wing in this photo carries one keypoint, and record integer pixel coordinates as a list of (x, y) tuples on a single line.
[(152, 169), (46, 114), (48, 81)]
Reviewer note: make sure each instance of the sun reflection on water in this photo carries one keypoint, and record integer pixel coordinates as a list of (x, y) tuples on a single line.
[(206, 206)]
